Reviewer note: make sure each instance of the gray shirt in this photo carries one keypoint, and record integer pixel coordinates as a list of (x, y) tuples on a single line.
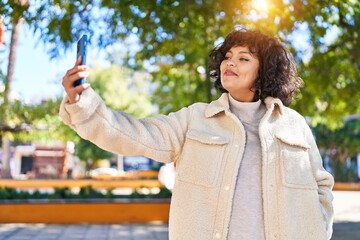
[(247, 221)]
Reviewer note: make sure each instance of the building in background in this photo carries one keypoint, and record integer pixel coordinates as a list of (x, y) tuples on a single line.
[(31, 161)]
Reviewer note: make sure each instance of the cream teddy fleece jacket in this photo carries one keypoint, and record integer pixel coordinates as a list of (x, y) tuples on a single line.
[(205, 142)]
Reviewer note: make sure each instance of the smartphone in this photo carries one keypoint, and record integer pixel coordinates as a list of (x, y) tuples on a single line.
[(81, 51)]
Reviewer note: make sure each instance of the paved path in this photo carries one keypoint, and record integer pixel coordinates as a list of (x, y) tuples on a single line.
[(347, 215), (346, 226), (82, 232)]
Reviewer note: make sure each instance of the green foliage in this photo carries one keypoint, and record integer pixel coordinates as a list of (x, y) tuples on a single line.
[(346, 140), (7, 193), (332, 74), (123, 89), (174, 38), (177, 35), (178, 87), (23, 122), (138, 193), (58, 23), (344, 173), (339, 146), (60, 193), (89, 192), (37, 195), (85, 193), (164, 193), (86, 150)]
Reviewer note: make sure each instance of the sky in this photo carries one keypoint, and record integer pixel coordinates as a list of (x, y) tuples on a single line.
[(36, 76)]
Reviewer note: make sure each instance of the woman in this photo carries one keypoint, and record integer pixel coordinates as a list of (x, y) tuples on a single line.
[(247, 166)]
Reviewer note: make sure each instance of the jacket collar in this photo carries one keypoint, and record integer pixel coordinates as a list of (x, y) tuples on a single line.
[(222, 105)]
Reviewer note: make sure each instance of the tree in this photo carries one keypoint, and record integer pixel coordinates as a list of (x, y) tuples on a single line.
[(123, 89), (16, 25), (16, 22), (177, 35), (339, 146), (332, 73), (174, 38)]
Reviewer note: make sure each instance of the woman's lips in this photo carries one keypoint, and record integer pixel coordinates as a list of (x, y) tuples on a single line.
[(229, 73)]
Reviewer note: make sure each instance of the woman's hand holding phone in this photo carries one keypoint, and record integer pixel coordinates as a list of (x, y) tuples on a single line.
[(72, 75), (74, 79)]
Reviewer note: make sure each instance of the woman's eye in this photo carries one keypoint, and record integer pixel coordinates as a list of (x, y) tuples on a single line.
[(244, 59), (226, 57)]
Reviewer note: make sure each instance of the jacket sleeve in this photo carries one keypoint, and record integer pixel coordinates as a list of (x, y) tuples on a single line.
[(325, 182), (159, 138)]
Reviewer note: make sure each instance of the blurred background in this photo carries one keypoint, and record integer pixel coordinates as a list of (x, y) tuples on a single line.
[(150, 57)]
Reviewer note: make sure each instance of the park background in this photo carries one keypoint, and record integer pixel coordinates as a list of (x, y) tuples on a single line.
[(150, 57)]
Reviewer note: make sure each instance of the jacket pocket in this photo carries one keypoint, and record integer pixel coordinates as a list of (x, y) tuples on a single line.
[(295, 165), (201, 158)]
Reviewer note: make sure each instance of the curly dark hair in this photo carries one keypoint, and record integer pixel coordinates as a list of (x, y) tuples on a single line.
[(277, 75)]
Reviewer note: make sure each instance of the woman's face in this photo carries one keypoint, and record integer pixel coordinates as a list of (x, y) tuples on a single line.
[(238, 73)]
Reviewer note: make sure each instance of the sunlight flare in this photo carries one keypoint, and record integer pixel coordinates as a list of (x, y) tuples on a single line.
[(260, 5)]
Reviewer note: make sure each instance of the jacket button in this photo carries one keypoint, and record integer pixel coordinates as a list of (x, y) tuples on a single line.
[(218, 235), (236, 145), (227, 188)]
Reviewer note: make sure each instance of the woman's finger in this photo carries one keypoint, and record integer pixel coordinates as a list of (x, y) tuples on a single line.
[(74, 93), (74, 74), (82, 87), (75, 69), (78, 61)]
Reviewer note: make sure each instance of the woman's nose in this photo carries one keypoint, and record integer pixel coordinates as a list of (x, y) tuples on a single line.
[(230, 62)]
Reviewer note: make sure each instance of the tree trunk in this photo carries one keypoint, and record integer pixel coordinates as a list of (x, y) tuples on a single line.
[(15, 31), (16, 26), (5, 171)]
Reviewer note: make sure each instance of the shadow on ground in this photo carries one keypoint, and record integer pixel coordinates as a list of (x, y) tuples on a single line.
[(346, 231)]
